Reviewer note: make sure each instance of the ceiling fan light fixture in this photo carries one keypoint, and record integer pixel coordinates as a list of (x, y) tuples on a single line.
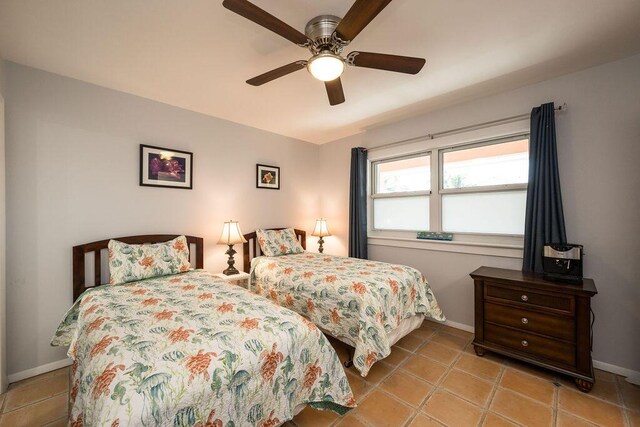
[(326, 66), (325, 37)]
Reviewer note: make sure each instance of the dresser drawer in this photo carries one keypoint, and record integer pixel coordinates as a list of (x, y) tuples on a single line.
[(523, 342), (532, 321), (559, 302)]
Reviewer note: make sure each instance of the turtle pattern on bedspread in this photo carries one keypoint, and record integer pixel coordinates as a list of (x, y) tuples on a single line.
[(192, 350), (356, 299)]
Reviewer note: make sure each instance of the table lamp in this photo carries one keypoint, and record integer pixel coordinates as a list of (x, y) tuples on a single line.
[(321, 231), (231, 234)]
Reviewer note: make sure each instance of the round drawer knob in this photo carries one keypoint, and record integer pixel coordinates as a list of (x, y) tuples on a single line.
[(525, 320), (525, 343), (524, 298)]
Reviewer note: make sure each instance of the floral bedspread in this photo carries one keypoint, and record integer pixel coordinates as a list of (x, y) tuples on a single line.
[(349, 298), (191, 350)]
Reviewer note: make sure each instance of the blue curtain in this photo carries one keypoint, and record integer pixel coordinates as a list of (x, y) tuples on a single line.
[(544, 222), (358, 204)]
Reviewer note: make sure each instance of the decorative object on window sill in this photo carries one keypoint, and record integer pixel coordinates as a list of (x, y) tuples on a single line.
[(164, 167), (321, 231), (434, 235), (231, 234), (267, 177)]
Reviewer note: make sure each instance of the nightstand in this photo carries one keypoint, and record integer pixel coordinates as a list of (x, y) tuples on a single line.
[(525, 316), (241, 279)]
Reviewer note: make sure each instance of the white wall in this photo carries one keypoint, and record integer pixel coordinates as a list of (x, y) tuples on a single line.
[(3, 306), (598, 150), (72, 177), (2, 79)]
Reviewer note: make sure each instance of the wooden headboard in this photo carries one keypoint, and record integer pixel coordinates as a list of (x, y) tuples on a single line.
[(79, 252), (251, 248)]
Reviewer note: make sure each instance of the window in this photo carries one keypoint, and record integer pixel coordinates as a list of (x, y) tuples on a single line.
[(484, 187), (492, 164), (481, 189), (400, 193)]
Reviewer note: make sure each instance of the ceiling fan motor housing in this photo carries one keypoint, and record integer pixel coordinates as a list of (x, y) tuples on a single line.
[(320, 31)]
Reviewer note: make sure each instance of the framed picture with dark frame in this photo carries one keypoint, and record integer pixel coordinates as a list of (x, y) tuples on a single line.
[(268, 177), (165, 167)]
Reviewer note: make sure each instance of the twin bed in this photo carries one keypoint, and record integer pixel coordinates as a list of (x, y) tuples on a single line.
[(187, 349), (190, 350), (367, 305)]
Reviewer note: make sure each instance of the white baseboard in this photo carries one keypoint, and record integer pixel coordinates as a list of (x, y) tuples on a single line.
[(635, 379), (460, 326), (42, 369), (631, 375)]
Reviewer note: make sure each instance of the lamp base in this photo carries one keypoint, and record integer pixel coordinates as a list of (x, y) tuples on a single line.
[(231, 270), (321, 242)]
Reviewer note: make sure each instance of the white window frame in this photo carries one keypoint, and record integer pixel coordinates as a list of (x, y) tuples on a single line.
[(473, 243), (373, 185), (479, 189)]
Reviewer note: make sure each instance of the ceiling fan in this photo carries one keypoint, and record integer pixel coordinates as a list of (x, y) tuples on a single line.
[(326, 36)]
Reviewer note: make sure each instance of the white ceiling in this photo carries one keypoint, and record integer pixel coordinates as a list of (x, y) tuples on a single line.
[(195, 54)]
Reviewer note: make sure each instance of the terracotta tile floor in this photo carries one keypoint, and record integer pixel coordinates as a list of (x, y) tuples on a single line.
[(432, 378)]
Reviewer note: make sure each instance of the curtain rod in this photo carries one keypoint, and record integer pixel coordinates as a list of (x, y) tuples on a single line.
[(430, 136)]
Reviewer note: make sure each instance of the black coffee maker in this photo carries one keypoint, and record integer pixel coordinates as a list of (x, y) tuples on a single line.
[(562, 262)]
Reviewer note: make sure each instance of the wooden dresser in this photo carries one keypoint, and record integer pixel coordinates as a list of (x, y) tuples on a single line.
[(523, 316)]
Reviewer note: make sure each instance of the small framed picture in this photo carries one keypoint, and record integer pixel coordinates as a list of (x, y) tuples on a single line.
[(268, 177), (165, 167)]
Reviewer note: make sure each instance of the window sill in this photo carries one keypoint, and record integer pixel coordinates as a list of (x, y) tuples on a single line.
[(474, 248)]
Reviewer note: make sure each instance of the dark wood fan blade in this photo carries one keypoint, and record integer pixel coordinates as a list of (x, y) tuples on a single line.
[(277, 73), (359, 16), (335, 92), (381, 61), (253, 13)]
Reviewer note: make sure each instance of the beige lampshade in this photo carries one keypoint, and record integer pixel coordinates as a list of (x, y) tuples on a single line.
[(321, 229), (231, 234)]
